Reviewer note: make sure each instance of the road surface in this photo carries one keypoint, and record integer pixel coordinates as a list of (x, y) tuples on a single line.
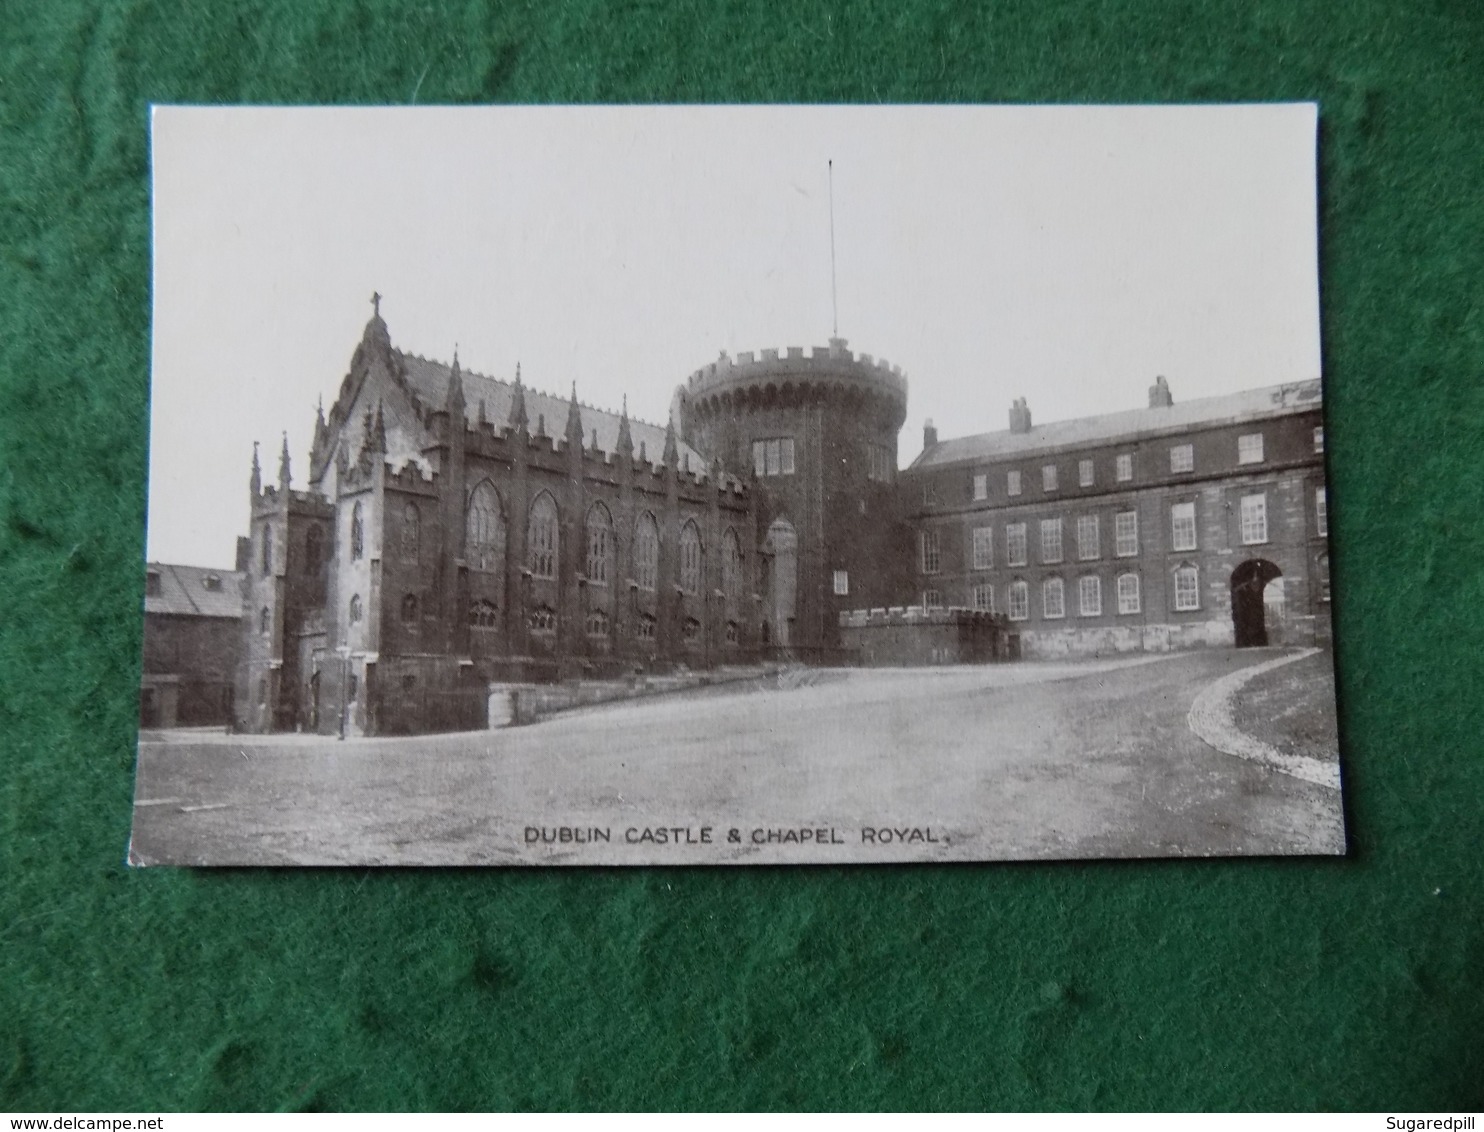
[(1020, 761)]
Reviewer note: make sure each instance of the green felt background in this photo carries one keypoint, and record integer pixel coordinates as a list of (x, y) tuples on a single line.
[(1346, 984)]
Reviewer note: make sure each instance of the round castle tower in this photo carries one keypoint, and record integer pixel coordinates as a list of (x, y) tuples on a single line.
[(817, 433)]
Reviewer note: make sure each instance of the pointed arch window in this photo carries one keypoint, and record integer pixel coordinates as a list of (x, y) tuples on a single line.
[(485, 528), (599, 544), (357, 532), (731, 564), (409, 608), (265, 621), (541, 538), (484, 614), (690, 558), (411, 531), (355, 608), (646, 552), (267, 550)]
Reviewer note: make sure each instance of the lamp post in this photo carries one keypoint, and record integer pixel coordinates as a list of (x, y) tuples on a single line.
[(344, 651)]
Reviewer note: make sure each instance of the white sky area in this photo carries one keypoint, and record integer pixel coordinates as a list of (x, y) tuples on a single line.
[(1064, 254)]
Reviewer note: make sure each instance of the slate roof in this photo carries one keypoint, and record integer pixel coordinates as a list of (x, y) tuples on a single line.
[(1250, 404), (429, 379), (183, 591)]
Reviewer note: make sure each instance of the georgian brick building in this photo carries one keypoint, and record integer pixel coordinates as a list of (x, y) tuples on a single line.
[(459, 531), (1202, 523)]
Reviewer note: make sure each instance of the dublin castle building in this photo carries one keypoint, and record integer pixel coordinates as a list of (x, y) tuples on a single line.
[(1175, 525), (457, 531)]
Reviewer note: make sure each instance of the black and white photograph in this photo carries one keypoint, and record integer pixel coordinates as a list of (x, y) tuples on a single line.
[(735, 485)]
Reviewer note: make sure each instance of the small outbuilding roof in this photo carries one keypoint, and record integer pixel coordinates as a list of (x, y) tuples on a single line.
[(192, 591)]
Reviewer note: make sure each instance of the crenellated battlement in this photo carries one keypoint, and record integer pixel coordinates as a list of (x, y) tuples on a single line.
[(831, 364)]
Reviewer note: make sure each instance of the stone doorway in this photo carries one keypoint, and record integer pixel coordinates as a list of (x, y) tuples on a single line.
[(1249, 607)]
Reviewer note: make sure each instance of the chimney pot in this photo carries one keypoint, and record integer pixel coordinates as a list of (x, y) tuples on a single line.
[(929, 433), (1020, 416)]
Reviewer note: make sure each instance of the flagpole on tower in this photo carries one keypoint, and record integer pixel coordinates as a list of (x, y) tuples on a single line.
[(834, 302)]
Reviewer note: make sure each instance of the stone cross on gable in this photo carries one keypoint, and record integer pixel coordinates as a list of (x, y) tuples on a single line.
[(376, 303)]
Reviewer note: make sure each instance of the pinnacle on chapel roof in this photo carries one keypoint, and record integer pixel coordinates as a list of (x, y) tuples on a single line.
[(257, 471), (284, 475), (518, 419), (453, 398), (625, 437), (573, 431), (672, 451)]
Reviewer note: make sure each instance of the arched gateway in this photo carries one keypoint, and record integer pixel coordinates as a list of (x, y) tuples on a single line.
[(1249, 610)]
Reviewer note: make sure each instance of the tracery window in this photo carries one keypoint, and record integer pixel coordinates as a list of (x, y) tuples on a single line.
[(543, 619), (646, 552), (411, 531), (597, 623), (691, 630), (541, 538), (645, 629), (484, 528), (357, 532), (731, 564), (599, 544), (690, 558), (484, 614)]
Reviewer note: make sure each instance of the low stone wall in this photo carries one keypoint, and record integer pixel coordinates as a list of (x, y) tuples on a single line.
[(1046, 644), (536, 701)]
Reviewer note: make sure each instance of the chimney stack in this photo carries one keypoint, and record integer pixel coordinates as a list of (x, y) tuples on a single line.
[(929, 433), (1159, 394), (1020, 416)]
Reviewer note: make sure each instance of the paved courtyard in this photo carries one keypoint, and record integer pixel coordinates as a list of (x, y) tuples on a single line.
[(1021, 761)]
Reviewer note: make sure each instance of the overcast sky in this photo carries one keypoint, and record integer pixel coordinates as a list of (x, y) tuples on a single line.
[(1064, 254)]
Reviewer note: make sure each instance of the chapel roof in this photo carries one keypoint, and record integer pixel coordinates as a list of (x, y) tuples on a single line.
[(429, 379)]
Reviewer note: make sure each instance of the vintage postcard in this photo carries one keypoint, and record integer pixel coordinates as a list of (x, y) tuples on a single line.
[(735, 485)]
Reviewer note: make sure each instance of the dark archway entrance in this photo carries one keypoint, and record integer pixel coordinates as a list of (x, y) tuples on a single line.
[(1248, 612)]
